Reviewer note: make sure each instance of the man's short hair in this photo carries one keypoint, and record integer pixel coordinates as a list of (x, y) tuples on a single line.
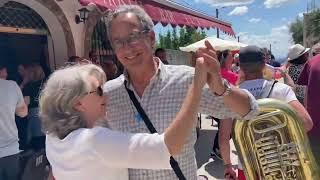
[(159, 50), (73, 58), (92, 53), (2, 66), (251, 58), (251, 54)]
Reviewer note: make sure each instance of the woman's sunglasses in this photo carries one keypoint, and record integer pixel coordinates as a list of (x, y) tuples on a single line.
[(99, 91)]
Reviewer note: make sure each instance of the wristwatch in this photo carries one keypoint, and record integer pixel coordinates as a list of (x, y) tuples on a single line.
[(227, 90)]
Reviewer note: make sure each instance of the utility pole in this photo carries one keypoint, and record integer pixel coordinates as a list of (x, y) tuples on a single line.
[(217, 16), (270, 48)]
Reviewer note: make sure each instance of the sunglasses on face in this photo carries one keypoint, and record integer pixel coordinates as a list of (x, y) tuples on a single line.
[(99, 91), (132, 39)]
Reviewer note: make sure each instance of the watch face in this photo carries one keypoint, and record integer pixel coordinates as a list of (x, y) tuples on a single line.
[(227, 84), (228, 88)]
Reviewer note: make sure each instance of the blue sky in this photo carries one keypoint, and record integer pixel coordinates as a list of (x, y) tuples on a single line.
[(258, 22)]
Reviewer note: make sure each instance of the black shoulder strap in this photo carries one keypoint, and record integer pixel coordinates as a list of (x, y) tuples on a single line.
[(141, 111), (274, 82), (174, 164)]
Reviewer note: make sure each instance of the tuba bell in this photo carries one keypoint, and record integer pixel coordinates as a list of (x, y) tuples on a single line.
[(274, 145)]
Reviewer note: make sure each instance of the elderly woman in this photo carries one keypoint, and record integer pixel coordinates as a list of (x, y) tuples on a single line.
[(72, 102)]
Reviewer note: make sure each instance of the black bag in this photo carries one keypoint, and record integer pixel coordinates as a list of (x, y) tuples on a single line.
[(174, 164), (34, 165)]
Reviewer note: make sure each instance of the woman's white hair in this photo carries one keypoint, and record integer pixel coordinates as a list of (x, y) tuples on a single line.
[(63, 88)]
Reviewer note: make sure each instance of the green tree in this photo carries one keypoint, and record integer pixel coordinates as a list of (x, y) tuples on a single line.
[(203, 34), (160, 42), (182, 37), (168, 41), (175, 39), (190, 35), (187, 35), (296, 28), (314, 25)]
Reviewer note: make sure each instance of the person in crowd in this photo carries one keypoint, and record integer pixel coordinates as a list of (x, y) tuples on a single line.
[(160, 89), (162, 55), (93, 57), (297, 57), (235, 65), (110, 68), (34, 78), (225, 58), (252, 64), (3, 72), (22, 123), (316, 49), (71, 103), (23, 75), (12, 103), (273, 62), (267, 55), (74, 59), (310, 77)]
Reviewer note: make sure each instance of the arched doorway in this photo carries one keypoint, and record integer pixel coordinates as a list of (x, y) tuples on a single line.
[(101, 47), (23, 37), (100, 43)]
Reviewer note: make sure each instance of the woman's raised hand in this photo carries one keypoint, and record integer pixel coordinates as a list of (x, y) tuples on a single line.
[(201, 73)]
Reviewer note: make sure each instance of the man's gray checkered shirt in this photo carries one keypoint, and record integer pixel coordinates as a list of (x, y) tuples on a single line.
[(161, 100)]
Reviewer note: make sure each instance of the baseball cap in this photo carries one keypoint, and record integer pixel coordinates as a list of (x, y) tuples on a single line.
[(251, 54)]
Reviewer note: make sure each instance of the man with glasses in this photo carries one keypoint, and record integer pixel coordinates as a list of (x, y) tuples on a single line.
[(160, 89)]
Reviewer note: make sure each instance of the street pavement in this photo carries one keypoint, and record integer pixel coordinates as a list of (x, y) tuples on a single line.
[(210, 167)]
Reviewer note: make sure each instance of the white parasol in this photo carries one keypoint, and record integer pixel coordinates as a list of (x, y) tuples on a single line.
[(218, 44)]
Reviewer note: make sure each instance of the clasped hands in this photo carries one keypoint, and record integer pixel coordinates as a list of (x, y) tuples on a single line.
[(208, 68)]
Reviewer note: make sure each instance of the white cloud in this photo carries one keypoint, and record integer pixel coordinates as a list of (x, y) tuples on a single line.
[(254, 20), (226, 2), (300, 15), (280, 39), (277, 3), (239, 11)]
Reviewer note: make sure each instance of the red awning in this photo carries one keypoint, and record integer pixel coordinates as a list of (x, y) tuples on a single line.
[(165, 14)]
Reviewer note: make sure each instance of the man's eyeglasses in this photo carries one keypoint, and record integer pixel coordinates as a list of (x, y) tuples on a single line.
[(132, 39), (99, 91)]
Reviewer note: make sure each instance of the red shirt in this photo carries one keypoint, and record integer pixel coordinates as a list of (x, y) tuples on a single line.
[(229, 75), (310, 76)]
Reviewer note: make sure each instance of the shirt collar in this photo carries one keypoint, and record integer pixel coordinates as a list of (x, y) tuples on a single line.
[(159, 75)]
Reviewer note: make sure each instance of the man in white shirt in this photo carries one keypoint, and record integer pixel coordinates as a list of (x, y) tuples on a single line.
[(160, 89), (12, 103)]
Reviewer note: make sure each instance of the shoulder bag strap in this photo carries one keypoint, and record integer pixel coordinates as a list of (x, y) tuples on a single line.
[(274, 82), (174, 164)]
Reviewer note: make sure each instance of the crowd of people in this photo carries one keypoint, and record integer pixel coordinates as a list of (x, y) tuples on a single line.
[(252, 62), (140, 124)]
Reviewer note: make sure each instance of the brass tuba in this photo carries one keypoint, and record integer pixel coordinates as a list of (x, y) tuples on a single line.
[(274, 145)]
